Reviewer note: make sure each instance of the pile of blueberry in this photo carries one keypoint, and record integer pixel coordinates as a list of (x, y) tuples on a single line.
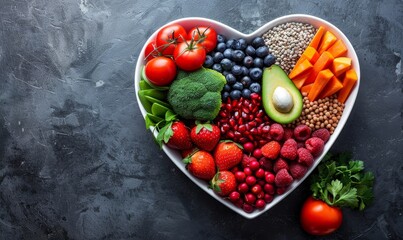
[(241, 63)]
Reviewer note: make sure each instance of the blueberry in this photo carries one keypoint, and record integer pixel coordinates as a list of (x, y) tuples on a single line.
[(217, 67), (246, 93), (262, 51), (221, 47), (230, 43), (225, 73), (250, 51), (224, 96), (220, 38), (245, 71), (255, 87), (248, 61), (235, 94), (258, 62), (228, 53), (269, 60), (237, 86), (246, 81), (258, 42), (208, 62), (255, 74), (226, 64), (238, 55), (234, 44), (231, 79), (236, 70), (217, 57), (227, 88), (241, 44)]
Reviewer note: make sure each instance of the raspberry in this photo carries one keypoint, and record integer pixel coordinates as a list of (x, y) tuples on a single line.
[(276, 131), (289, 149), (300, 145), (304, 156), (280, 164), (246, 160), (297, 170), (322, 133), (283, 178), (288, 133), (271, 150), (302, 132), (315, 145)]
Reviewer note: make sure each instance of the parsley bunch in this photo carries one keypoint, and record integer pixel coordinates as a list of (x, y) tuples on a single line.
[(342, 182)]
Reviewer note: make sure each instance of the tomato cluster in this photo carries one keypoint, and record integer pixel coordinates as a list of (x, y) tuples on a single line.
[(175, 47)]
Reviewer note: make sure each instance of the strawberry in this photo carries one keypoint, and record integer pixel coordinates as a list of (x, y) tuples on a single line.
[(175, 135), (224, 183), (201, 165), (227, 155), (205, 136)]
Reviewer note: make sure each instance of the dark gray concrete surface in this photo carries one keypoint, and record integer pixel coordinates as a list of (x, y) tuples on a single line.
[(77, 163)]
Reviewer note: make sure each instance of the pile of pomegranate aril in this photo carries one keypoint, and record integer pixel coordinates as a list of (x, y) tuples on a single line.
[(244, 121)]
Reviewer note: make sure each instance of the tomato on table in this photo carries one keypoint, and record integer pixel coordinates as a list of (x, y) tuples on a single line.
[(189, 55), (318, 218), (160, 71), (206, 36), (169, 36)]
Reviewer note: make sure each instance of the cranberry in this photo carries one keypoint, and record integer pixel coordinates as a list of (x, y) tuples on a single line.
[(261, 182), (259, 173), (247, 208), (254, 165), (248, 147), (268, 198), (234, 196), (250, 180), (240, 176), (269, 177), (260, 204), (268, 188), (243, 188), (257, 153), (239, 203), (250, 198), (247, 171), (256, 189)]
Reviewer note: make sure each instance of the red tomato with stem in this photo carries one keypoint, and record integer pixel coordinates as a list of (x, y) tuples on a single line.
[(318, 218), (206, 36), (151, 50), (168, 37), (160, 71), (189, 55)]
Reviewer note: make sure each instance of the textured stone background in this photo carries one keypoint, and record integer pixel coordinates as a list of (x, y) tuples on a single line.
[(77, 163)]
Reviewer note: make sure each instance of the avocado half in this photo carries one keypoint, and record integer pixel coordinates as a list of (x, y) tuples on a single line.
[(274, 77)]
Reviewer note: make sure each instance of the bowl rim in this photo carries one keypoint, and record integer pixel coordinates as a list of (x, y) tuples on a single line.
[(304, 18)]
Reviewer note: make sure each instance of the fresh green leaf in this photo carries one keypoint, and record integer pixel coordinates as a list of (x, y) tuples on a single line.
[(170, 116)]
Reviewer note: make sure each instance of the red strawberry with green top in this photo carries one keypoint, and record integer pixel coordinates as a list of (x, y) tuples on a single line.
[(224, 183), (175, 135), (227, 155), (201, 165), (205, 136)]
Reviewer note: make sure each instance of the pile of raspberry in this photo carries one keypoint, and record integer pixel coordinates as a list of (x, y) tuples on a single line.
[(271, 169)]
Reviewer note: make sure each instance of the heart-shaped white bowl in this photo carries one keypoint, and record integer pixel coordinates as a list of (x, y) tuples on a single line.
[(229, 32)]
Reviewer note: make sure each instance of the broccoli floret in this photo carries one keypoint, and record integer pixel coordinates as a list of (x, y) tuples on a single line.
[(197, 95)]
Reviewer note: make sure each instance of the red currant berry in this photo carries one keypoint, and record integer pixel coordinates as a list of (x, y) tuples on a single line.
[(260, 204), (250, 180)]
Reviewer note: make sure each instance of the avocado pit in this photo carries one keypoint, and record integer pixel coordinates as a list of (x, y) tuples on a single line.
[(282, 100)]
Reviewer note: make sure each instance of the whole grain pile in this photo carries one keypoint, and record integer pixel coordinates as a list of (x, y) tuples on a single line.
[(288, 41)]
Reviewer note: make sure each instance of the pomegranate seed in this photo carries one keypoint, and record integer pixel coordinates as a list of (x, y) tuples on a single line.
[(234, 103), (243, 140), (250, 180), (234, 196), (269, 178), (256, 189), (247, 208), (254, 96), (241, 128), (240, 176), (250, 198), (243, 188), (266, 129), (268, 198), (247, 171), (245, 110), (244, 115), (259, 173), (248, 147), (268, 188), (257, 153), (230, 134), (223, 114), (260, 204), (225, 127)]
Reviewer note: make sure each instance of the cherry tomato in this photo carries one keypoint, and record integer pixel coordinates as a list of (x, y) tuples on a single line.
[(189, 56), (318, 218), (169, 36), (151, 51), (206, 35), (160, 71)]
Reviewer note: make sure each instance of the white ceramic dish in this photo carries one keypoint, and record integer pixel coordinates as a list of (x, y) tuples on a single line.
[(229, 32)]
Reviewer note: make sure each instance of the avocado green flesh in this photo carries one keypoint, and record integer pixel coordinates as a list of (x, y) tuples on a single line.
[(274, 77)]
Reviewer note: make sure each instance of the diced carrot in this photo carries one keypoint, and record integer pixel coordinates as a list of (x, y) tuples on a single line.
[(320, 82), (300, 68), (306, 88), (338, 49), (322, 63), (340, 65), (327, 41), (316, 39), (348, 84), (300, 79), (331, 88), (310, 53)]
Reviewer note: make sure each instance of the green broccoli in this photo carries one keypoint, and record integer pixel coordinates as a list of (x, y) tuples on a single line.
[(197, 95)]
